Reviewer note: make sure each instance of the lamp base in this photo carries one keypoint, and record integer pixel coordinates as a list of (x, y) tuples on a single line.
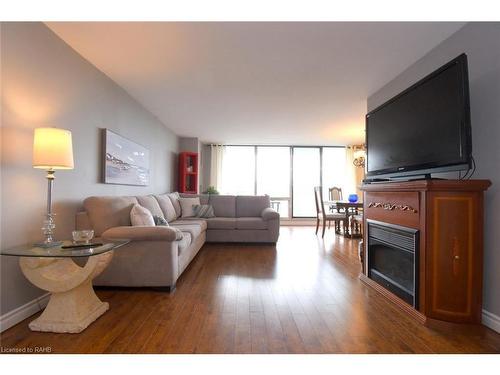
[(49, 226), (47, 245)]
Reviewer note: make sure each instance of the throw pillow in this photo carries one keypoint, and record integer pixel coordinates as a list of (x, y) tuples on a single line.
[(204, 210), (141, 216), (160, 221), (174, 198), (187, 205), (167, 207)]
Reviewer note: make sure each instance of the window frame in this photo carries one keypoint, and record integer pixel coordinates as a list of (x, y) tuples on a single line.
[(290, 183)]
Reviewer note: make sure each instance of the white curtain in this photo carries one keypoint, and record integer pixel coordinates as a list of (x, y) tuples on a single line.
[(216, 162), (350, 173)]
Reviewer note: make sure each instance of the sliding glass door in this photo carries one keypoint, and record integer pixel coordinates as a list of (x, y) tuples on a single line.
[(273, 176), (306, 175), (238, 170), (288, 174), (333, 170)]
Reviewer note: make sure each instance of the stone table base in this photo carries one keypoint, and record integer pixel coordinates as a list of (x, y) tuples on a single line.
[(73, 304)]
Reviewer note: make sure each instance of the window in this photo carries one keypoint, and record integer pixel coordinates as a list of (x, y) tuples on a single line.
[(273, 171), (334, 170), (306, 175), (288, 174), (238, 170), (273, 176)]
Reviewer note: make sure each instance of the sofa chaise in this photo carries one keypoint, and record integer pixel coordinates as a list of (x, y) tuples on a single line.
[(157, 255)]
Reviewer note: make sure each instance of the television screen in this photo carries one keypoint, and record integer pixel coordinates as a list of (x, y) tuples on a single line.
[(424, 129)]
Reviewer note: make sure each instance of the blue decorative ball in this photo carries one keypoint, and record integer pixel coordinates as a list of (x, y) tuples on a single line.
[(353, 198)]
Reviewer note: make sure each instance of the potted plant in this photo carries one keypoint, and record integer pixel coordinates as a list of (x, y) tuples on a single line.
[(211, 190)]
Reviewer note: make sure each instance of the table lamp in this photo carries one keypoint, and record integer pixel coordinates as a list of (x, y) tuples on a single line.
[(52, 149)]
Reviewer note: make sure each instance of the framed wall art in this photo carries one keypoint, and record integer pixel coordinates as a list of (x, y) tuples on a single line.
[(125, 161)]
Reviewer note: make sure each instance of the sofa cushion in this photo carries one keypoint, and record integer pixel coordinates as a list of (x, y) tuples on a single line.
[(203, 197), (193, 229), (174, 198), (166, 206), (140, 216), (251, 206), (150, 202), (224, 205), (192, 220), (108, 212), (221, 223), (187, 206), (250, 223)]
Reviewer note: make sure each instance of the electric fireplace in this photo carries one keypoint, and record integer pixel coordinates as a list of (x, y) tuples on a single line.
[(393, 259)]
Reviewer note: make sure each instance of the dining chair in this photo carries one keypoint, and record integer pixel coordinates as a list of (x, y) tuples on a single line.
[(321, 215), (357, 220), (335, 193)]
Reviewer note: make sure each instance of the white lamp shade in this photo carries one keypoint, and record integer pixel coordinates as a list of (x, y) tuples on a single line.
[(52, 149)]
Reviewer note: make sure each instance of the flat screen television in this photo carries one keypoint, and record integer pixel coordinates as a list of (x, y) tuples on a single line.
[(425, 129)]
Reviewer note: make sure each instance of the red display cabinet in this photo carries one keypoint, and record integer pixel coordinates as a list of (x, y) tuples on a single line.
[(188, 172)]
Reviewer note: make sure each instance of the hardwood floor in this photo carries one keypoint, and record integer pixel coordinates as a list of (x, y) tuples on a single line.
[(302, 296)]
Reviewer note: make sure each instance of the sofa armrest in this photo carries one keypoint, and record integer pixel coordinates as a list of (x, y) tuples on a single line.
[(270, 214), (143, 233)]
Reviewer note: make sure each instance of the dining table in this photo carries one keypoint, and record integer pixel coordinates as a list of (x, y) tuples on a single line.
[(350, 208)]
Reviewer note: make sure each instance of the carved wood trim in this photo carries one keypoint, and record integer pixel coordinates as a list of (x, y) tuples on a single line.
[(392, 206)]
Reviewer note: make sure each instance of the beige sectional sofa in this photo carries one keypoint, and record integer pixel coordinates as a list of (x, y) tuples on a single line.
[(157, 255)]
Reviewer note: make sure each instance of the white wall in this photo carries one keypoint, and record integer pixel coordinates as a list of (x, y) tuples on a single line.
[(46, 83), (205, 160), (481, 43), (189, 144)]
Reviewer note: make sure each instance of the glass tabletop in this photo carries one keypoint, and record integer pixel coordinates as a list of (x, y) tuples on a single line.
[(59, 252)]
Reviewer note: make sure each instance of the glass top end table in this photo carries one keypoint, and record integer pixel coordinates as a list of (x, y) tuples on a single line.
[(59, 252), (73, 304)]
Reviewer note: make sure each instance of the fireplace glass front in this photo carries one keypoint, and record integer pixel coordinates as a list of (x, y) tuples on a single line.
[(393, 259)]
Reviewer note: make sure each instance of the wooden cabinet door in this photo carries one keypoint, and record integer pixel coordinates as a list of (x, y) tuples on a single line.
[(454, 256)]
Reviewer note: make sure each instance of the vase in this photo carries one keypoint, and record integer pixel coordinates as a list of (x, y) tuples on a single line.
[(353, 198)]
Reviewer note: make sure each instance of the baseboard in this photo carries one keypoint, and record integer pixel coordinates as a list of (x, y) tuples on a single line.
[(491, 320), (15, 316)]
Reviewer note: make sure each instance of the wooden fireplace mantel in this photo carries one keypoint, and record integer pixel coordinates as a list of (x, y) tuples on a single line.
[(449, 217)]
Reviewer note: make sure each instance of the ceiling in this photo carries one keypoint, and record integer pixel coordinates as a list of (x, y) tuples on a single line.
[(265, 83)]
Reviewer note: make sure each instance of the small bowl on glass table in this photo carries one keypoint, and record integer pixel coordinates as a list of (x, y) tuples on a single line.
[(82, 236)]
